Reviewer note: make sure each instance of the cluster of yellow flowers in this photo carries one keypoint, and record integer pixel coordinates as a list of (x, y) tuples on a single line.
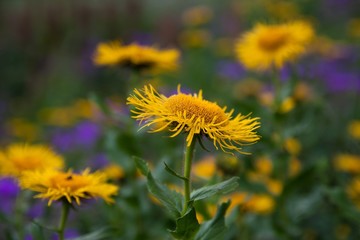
[(39, 168)]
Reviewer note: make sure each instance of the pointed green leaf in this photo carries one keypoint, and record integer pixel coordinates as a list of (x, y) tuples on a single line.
[(222, 188), (215, 228), (186, 226), (172, 172), (172, 200), (142, 165)]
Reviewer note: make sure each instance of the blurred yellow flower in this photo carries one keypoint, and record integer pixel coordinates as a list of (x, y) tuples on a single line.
[(205, 168), (59, 116), (194, 38), (347, 163), (353, 191), (236, 198), (287, 105), (196, 16), (20, 158), (292, 146), (56, 185), (23, 129), (211, 211), (247, 88), (354, 129), (294, 166), (302, 92), (259, 203), (353, 27), (273, 45), (113, 171), (195, 116), (137, 57), (264, 166), (274, 186)]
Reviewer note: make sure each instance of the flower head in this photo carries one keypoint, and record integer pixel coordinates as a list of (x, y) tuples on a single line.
[(195, 116), (273, 45), (55, 185), (137, 57), (19, 158)]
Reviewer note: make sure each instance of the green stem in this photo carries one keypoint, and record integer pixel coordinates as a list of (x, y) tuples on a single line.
[(277, 86), (189, 153), (63, 219)]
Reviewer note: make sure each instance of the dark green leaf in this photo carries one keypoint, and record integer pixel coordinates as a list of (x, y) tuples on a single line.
[(216, 189), (170, 199), (142, 165), (172, 172), (215, 228), (186, 226)]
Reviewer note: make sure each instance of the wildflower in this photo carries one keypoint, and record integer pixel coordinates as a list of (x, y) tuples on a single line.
[(19, 158), (273, 45), (205, 168), (114, 171), (347, 163), (194, 38), (259, 203), (292, 146), (294, 166), (264, 165), (195, 116), (196, 16), (354, 129), (57, 185), (137, 57), (287, 105)]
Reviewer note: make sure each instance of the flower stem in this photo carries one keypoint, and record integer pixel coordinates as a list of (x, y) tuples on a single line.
[(189, 153), (64, 216)]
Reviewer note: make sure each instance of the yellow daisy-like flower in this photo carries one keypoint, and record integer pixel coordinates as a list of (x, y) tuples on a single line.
[(138, 57), (55, 185), (19, 158), (273, 45), (195, 116)]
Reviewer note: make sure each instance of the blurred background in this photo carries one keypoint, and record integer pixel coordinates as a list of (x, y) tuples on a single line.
[(303, 173)]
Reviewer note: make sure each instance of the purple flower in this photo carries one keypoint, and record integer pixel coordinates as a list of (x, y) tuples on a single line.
[(9, 190), (230, 70)]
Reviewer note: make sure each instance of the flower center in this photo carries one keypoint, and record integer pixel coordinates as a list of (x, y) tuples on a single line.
[(193, 106), (273, 39), (68, 180)]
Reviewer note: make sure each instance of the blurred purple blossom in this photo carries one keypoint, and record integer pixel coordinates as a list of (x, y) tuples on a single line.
[(98, 161), (230, 70), (84, 136), (9, 190)]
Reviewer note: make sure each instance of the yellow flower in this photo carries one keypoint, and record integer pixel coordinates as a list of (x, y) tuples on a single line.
[(347, 163), (55, 185), (273, 45), (353, 191), (294, 166), (195, 116), (19, 158), (138, 57), (196, 16), (292, 146), (194, 38), (287, 105), (205, 168), (354, 129), (259, 203), (113, 171), (264, 166)]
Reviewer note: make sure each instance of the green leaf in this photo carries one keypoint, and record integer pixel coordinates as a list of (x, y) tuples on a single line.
[(215, 228), (186, 226), (172, 172), (172, 200), (97, 235), (222, 188), (142, 165)]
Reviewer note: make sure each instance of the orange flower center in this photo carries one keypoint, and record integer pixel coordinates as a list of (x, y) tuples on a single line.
[(68, 180), (192, 106), (273, 39)]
